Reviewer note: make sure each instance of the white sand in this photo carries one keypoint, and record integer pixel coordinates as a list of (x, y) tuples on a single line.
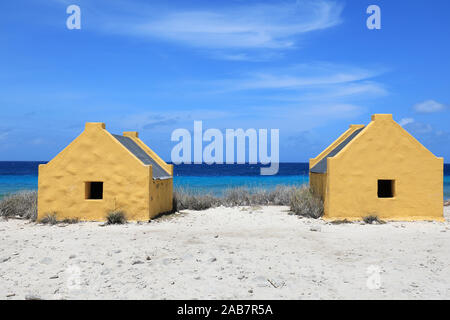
[(226, 253)]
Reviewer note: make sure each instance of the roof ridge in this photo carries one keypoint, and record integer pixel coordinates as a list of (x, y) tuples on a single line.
[(146, 159), (321, 166)]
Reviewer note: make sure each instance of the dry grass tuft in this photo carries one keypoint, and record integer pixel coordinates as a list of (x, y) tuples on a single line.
[(371, 219), (49, 218), (116, 217), (240, 196), (343, 221), (188, 199), (70, 220), (20, 205), (305, 203), (281, 196)]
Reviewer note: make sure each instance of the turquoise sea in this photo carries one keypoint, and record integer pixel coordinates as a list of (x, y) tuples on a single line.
[(17, 176)]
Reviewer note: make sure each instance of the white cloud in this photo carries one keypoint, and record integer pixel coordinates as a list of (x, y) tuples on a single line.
[(264, 55), (38, 141), (405, 121), (419, 128), (250, 26), (280, 81), (336, 111), (360, 88), (3, 135), (226, 30), (320, 80), (429, 106), (156, 120)]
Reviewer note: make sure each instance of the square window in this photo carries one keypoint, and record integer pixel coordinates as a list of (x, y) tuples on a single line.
[(94, 190), (386, 188)]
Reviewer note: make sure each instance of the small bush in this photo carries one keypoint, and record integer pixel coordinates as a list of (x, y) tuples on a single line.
[(49, 218), (70, 220), (186, 199), (116, 217), (372, 219), (280, 196), (305, 203), (240, 196), (344, 221), (22, 205)]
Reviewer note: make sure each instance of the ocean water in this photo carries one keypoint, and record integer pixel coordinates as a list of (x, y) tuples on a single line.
[(17, 176)]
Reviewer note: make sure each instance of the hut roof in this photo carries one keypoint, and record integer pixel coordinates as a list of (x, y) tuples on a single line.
[(133, 147), (321, 166)]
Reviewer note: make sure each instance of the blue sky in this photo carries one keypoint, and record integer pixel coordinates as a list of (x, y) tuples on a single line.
[(308, 68)]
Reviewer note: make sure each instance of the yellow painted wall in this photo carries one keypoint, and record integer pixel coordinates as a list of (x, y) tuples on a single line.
[(97, 156), (384, 150), (161, 197), (318, 184)]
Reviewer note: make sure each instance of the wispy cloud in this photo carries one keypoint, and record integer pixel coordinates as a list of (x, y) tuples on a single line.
[(227, 30), (251, 26), (335, 111), (418, 127), (160, 123), (405, 121), (429, 106), (4, 132), (290, 81), (3, 135), (309, 81), (169, 119)]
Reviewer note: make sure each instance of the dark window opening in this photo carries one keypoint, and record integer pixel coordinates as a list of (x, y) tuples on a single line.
[(386, 188), (94, 190)]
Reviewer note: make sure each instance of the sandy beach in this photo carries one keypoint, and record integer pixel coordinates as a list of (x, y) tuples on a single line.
[(226, 253)]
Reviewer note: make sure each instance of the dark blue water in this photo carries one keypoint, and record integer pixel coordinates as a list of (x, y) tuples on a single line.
[(16, 176)]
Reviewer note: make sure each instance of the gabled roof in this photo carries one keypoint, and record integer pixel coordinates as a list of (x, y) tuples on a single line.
[(321, 166), (133, 147)]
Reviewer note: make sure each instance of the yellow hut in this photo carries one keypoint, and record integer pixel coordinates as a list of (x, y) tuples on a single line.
[(101, 172), (379, 170)]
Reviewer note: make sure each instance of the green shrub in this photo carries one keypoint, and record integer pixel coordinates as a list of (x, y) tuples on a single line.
[(22, 205), (305, 203), (116, 217)]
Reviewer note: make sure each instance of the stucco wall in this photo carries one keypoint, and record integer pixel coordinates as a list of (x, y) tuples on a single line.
[(318, 184), (161, 199), (384, 150)]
